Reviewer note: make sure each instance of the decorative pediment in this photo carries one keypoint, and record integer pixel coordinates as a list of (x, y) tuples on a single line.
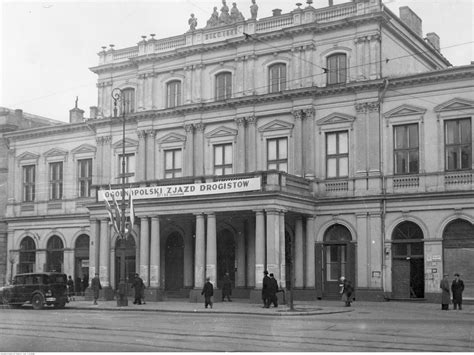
[(55, 152), (171, 138), (84, 148), (334, 118), (455, 105), (221, 132), (128, 143), (27, 156), (405, 110), (276, 125)]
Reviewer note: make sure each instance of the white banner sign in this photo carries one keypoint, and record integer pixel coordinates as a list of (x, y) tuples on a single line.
[(208, 188)]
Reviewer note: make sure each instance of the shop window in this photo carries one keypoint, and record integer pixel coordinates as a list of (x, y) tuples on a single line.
[(458, 145), (406, 149), (277, 154), (29, 183)]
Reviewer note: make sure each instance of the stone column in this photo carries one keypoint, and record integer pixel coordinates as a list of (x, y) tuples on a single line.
[(104, 260), (360, 133), (282, 250), (240, 163), (308, 144), (155, 253), (93, 247), (298, 152), (251, 86), (273, 242), (239, 77), (200, 252), (189, 151), (150, 154), (259, 248), (144, 249), (107, 174), (251, 253), (310, 261), (199, 149), (251, 143), (97, 178), (211, 248), (188, 255), (141, 92), (299, 252), (240, 257), (362, 255), (373, 138), (359, 46), (142, 155), (154, 90), (374, 56)]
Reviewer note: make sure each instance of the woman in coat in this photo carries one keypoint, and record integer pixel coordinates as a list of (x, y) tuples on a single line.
[(457, 287), (445, 294), (346, 291), (139, 287)]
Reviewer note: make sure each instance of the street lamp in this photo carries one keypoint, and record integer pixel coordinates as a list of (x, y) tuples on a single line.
[(117, 96)]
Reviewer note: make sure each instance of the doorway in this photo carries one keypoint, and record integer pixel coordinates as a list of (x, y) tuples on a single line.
[(225, 256), (174, 262), (125, 249)]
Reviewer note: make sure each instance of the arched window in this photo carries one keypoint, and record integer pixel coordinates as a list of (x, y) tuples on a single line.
[(337, 255), (27, 255), (277, 77), (407, 240), (336, 68), (129, 100), (223, 86), (54, 254), (173, 94)]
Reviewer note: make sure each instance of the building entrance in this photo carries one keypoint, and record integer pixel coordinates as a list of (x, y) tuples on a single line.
[(225, 256), (81, 257), (174, 262), (408, 278), (125, 249)]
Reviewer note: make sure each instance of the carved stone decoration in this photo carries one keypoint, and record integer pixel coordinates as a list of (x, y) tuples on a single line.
[(253, 10), (199, 126), (192, 23), (251, 120), (189, 128), (141, 134), (214, 20), (240, 121), (235, 14), (224, 17)]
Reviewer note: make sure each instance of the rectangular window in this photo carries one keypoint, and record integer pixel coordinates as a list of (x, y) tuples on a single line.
[(56, 181), (173, 94), (337, 154), (277, 77), (173, 163), (336, 260), (406, 149), (223, 159), (277, 154), (223, 86), (129, 167), (29, 183), (337, 69), (129, 100), (458, 144), (84, 174)]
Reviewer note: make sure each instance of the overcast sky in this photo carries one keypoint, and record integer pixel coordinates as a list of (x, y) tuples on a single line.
[(48, 47)]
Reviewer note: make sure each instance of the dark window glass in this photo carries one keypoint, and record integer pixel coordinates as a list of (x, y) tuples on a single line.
[(56, 181), (223, 159), (277, 154), (458, 145), (223, 86), (406, 149), (337, 68), (277, 77), (85, 177), (173, 163), (29, 183), (173, 94)]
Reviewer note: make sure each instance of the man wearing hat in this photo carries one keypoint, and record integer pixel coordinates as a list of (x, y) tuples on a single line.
[(96, 286), (139, 287), (457, 287), (266, 289), (445, 294)]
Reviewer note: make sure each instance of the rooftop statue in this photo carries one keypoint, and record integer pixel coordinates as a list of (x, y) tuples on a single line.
[(235, 14), (224, 17), (192, 23), (214, 20), (253, 10)]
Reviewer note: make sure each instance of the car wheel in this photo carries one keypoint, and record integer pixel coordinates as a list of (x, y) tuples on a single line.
[(37, 301)]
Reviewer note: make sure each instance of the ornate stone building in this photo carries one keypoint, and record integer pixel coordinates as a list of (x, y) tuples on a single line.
[(337, 137)]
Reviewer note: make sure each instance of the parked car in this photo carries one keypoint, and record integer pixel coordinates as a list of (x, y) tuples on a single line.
[(38, 289)]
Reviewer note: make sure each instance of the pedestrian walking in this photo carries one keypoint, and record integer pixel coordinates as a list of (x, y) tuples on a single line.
[(70, 288), (226, 287), (273, 291), (208, 292), (96, 287), (139, 287), (445, 294), (266, 284), (347, 291), (457, 287)]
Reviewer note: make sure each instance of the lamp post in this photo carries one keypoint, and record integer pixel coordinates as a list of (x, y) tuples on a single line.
[(122, 300)]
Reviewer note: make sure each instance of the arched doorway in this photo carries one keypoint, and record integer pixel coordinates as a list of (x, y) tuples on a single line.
[(225, 256), (125, 248), (54, 254), (458, 253), (174, 262), (27, 260), (338, 259), (408, 277), (81, 257)]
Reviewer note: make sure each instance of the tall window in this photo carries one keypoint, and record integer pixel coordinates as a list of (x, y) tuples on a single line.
[(56, 181), (406, 149), (129, 100), (337, 68), (223, 86), (173, 163), (27, 255), (29, 183), (54, 254), (277, 154), (85, 177), (129, 166), (277, 77), (173, 94), (223, 159), (458, 144), (337, 154)]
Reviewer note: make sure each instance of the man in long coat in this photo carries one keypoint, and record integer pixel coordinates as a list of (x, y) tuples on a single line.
[(96, 287), (445, 294), (226, 287), (266, 289), (457, 287), (273, 291), (139, 287), (208, 292)]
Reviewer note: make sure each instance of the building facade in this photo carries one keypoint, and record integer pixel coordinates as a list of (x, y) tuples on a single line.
[(321, 143)]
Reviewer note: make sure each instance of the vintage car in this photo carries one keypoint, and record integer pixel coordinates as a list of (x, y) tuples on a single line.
[(38, 289)]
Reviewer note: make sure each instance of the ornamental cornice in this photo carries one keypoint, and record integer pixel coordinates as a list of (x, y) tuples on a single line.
[(103, 140), (46, 131), (199, 126), (189, 128), (141, 134), (365, 107)]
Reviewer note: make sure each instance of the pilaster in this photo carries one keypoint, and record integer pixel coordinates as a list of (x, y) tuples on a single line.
[(200, 250), (211, 248), (273, 242), (189, 150), (241, 161), (199, 149), (144, 250), (310, 257), (251, 143), (299, 252), (150, 154), (155, 252), (142, 155), (260, 262), (104, 261)]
